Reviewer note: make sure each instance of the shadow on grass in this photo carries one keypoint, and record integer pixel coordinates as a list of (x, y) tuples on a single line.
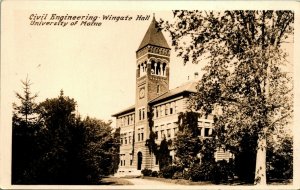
[(114, 181), (229, 182)]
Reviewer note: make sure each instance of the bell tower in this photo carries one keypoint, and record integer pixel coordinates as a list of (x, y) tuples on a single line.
[(152, 80)]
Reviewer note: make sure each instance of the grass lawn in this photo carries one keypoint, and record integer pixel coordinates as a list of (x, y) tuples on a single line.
[(187, 182), (114, 181), (179, 181)]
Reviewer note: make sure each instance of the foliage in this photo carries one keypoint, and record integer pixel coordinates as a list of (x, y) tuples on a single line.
[(280, 160), (116, 156), (216, 172), (25, 130), (150, 142), (60, 144), (99, 150), (146, 172), (169, 171), (154, 174), (201, 172), (187, 144), (163, 153), (244, 83)]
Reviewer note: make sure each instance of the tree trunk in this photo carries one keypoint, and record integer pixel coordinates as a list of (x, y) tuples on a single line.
[(260, 170)]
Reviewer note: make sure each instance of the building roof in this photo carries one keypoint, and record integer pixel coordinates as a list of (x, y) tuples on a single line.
[(127, 110), (154, 36), (186, 87), (189, 87)]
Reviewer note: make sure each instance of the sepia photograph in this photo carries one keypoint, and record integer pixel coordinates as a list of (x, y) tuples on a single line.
[(148, 95)]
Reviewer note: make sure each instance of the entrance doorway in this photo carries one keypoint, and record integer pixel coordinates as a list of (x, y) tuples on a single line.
[(140, 160)]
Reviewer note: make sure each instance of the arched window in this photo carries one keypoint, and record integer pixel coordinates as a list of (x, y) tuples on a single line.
[(138, 68), (152, 67), (158, 69), (164, 68), (145, 67)]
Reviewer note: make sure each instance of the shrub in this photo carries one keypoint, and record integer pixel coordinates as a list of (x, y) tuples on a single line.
[(169, 171), (216, 172), (146, 172), (154, 174), (220, 172), (202, 172), (178, 175)]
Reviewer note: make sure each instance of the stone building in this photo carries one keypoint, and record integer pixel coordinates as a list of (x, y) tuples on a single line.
[(152, 90)]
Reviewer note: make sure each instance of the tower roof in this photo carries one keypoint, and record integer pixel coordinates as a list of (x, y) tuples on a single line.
[(154, 36)]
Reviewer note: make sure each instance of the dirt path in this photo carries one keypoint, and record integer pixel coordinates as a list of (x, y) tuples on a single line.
[(152, 184)]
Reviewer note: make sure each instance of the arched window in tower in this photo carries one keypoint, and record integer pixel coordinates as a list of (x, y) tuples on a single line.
[(145, 67), (158, 71), (138, 70), (164, 68), (152, 67), (141, 69)]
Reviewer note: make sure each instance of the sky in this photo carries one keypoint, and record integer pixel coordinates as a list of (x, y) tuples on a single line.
[(95, 65)]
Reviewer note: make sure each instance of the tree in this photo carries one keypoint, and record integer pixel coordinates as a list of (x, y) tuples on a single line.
[(116, 146), (163, 153), (187, 144), (98, 151), (25, 127), (244, 75), (58, 118)]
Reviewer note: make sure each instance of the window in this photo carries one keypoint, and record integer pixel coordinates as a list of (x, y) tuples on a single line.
[(143, 113), (122, 159), (206, 132), (129, 138), (140, 114), (157, 111), (162, 135), (130, 159), (168, 133), (121, 140), (158, 89), (125, 140), (175, 132), (132, 120), (162, 109), (171, 108), (156, 132), (142, 134), (167, 109)]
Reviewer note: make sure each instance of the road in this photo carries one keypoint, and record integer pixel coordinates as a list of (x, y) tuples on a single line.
[(152, 184)]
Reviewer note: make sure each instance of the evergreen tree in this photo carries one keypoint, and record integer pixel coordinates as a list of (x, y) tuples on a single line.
[(25, 128)]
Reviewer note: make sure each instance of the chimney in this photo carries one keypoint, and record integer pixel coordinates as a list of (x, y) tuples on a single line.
[(196, 74)]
